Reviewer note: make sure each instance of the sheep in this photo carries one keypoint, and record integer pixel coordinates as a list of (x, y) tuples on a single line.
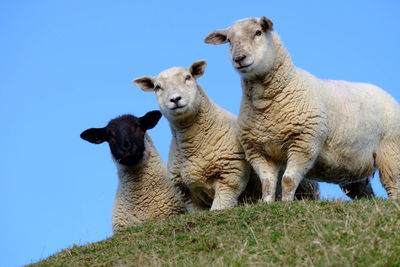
[(327, 130), (206, 161), (144, 191)]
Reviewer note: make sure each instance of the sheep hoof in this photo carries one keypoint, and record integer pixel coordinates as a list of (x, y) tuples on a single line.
[(268, 199)]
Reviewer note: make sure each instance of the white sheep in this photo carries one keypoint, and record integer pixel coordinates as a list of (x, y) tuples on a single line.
[(331, 131), (206, 161), (144, 190)]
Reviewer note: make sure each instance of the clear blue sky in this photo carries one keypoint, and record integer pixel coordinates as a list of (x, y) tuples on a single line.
[(66, 66)]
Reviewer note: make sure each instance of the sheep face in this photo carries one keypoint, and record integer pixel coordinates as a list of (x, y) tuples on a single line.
[(251, 47), (125, 136), (176, 90)]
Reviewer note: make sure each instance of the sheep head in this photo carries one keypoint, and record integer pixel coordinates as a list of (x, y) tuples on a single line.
[(176, 90), (125, 136), (251, 47)]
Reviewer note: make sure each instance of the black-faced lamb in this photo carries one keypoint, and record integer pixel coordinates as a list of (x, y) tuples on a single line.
[(144, 191)]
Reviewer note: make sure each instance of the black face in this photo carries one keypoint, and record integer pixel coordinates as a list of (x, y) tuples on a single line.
[(126, 139), (125, 136)]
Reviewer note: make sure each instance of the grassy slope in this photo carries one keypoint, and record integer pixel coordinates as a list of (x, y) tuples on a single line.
[(325, 233)]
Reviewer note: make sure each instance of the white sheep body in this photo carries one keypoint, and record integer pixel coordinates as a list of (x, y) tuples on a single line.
[(206, 161), (209, 160), (144, 191), (332, 131), (332, 117)]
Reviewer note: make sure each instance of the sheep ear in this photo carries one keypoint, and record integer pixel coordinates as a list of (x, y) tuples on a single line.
[(145, 83), (217, 37), (150, 120), (197, 68), (95, 135), (266, 24)]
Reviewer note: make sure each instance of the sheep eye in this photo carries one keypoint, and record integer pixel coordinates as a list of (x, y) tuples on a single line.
[(258, 33), (157, 87), (187, 78)]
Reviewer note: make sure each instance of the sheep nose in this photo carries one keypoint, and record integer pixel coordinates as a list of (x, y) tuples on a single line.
[(239, 58), (126, 146), (175, 99)]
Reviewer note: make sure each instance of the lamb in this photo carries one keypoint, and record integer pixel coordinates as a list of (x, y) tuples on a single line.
[(206, 161), (144, 190), (332, 131)]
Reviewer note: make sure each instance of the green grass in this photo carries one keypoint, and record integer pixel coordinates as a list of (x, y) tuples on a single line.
[(300, 233)]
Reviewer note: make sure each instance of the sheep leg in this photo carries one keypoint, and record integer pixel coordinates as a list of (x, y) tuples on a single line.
[(297, 166), (252, 192), (361, 189), (267, 170), (229, 187), (182, 190), (184, 194), (225, 197), (388, 162)]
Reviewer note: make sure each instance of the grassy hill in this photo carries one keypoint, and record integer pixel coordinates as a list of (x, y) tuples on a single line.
[(323, 233)]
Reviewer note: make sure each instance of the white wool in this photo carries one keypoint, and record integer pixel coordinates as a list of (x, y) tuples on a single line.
[(144, 191), (206, 162), (331, 131)]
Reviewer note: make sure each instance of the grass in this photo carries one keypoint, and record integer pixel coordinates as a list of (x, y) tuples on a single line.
[(300, 233)]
